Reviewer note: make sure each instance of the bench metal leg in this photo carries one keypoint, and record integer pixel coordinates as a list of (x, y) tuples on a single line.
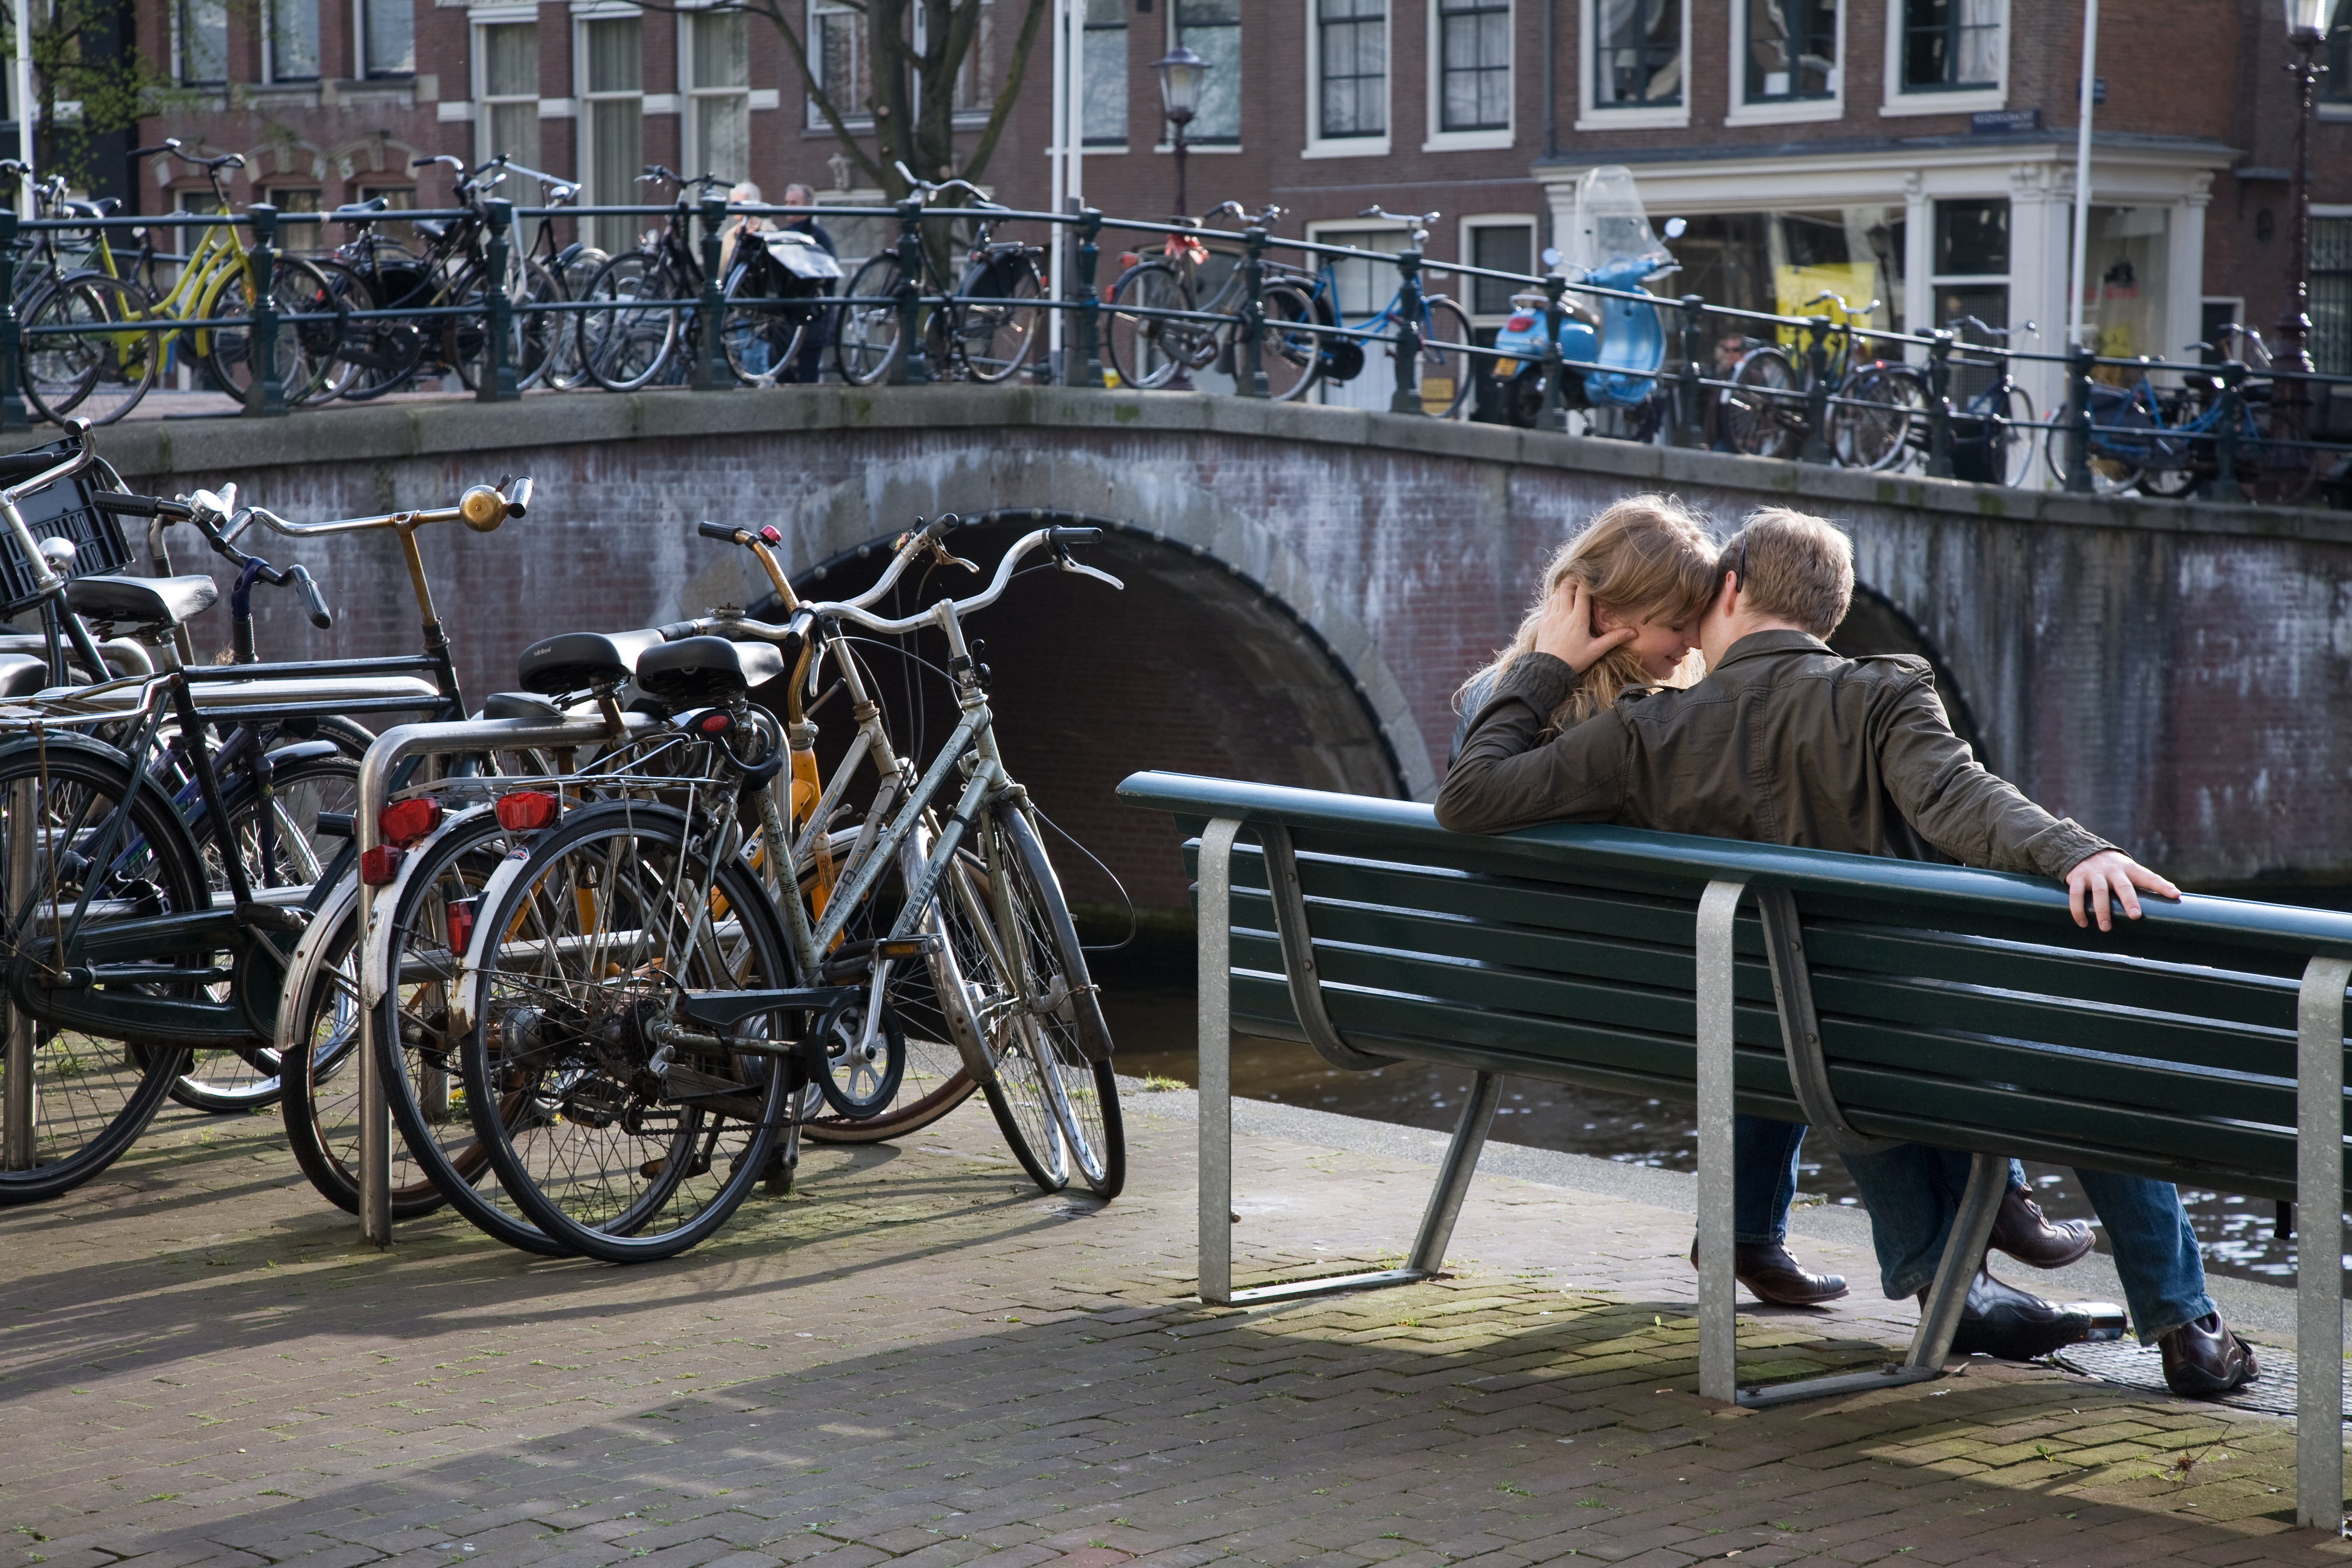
[(1216, 1138), (2319, 1246), (1718, 1285)]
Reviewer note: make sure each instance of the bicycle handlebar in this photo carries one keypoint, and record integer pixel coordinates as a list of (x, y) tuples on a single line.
[(853, 610), (481, 508), (930, 187)]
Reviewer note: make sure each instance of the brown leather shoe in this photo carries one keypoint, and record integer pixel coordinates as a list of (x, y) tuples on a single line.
[(2204, 1360), (2025, 1234), (1772, 1275)]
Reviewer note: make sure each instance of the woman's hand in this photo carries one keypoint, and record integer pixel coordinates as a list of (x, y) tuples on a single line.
[(1566, 631)]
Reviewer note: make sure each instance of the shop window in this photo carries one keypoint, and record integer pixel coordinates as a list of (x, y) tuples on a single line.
[(2124, 282)]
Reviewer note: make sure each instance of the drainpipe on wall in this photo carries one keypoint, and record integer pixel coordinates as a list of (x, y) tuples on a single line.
[(1551, 79), (2075, 278)]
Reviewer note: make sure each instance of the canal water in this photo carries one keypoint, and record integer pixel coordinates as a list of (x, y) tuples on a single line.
[(1153, 1017)]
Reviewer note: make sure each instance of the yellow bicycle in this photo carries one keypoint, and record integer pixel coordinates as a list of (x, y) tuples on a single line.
[(94, 345)]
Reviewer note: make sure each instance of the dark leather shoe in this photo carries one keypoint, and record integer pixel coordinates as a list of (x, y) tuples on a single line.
[(1772, 1275), (2009, 1324), (2204, 1360), (2025, 1234)]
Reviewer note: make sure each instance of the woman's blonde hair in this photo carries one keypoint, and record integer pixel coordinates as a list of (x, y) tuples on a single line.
[(1645, 558)]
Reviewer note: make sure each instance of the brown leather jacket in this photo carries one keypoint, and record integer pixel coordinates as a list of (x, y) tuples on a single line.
[(1784, 742)]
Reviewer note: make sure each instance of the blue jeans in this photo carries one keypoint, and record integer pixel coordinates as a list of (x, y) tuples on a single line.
[(1913, 1193), (1764, 1178)]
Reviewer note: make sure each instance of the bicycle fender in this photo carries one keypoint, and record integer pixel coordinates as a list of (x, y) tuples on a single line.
[(478, 954), (376, 953), (302, 752), (340, 900)]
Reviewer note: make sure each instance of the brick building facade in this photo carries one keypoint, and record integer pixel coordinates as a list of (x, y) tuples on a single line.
[(1917, 152)]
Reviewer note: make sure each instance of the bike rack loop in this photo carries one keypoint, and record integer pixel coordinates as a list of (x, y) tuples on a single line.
[(393, 747)]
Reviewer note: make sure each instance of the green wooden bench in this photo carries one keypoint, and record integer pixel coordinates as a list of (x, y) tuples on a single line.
[(1875, 999)]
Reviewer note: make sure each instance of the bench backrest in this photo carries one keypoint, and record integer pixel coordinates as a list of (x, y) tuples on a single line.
[(1957, 1007)]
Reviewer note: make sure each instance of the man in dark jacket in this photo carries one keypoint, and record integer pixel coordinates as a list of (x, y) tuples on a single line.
[(1787, 743)]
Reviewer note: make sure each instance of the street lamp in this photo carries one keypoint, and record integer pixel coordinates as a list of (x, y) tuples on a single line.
[(2306, 30), (1182, 72)]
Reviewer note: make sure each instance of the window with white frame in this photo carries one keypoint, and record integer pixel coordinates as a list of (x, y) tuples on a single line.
[(2335, 87), (292, 36), (843, 70), (1637, 54), (613, 112), (1351, 69), (717, 77), (1473, 65), (1497, 245), (1790, 50), (2331, 293), (387, 31), (1950, 45), (507, 94), (1970, 278), (1212, 29), (1104, 122), (201, 30)]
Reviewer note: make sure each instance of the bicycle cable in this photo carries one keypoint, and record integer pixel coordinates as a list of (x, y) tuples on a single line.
[(1133, 925)]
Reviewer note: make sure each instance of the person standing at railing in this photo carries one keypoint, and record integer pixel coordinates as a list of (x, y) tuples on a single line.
[(743, 193), (809, 360), (1786, 742)]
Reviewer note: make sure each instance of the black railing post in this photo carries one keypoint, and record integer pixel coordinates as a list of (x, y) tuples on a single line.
[(1406, 399), (1690, 396), (1249, 364), (265, 395), (2080, 362), (1088, 358), (1939, 407), (2227, 484), (1554, 415), (711, 372), (12, 396), (1816, 448), (914, 365), (497, 382)]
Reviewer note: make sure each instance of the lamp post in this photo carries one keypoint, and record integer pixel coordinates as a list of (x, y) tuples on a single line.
[(2306, 22), (1182, 72)]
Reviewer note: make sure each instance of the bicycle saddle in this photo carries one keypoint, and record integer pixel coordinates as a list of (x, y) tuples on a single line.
[(707, 669), (141, 601), (98, 208), (21, 674), (429, 228), (578, 662)]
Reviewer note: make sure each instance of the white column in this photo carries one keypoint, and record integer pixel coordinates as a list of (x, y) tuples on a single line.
[(2039, 213), (1919, 311), (2184, 270)]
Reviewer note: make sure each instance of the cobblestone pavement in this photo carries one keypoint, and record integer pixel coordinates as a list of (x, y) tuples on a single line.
[(920, 1359)]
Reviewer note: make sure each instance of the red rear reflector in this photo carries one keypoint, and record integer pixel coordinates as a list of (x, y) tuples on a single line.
[(715, 724), (1520, 324), (461, 924), (1128, 258), (403, 822), (525, 810), (379, 865)]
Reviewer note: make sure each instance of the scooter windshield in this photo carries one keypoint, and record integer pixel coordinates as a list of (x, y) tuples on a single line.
[(1611, 229)]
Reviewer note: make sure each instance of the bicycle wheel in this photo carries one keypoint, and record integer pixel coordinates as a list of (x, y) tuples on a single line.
[(2010, 434), (1763, 411), (1448, 370), (1287, 349), (101, 366), (1146, 350), (1045, 1021), (382, 354), (532, 328), (1871, 415), (281, 843), (627, 333), (614, 915), (999, 322), (89, 1098), (866, 346), (2110, 475), (313, 323), (760, 341)]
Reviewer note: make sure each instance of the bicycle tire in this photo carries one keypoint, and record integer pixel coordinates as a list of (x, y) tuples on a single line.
[(1871, 417), (379, 356), (95, 373), (866, 346), (94, 1096), (530, 326), (627, 344), (1763, 411), (550, 1028), (997, 334), (760, 341), (1446, 343), (230, 1081), (1290, 354), (2011, 435), (1146, 351), (306, 349), (2110, 476)]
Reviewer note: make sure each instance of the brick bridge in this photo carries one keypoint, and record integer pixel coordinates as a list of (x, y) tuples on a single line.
[(1306, 585)]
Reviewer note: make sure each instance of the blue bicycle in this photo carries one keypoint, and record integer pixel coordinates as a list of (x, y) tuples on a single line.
[(1447, 366), (2166, 443)]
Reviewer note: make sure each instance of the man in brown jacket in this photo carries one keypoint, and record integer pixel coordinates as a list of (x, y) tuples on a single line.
[(1786, 742)]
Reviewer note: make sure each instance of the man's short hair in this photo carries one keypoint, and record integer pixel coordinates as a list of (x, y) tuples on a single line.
[(1793, 565)]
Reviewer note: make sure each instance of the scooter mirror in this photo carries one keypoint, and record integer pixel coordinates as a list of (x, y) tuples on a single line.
[(1676, 227), (1551, 256)]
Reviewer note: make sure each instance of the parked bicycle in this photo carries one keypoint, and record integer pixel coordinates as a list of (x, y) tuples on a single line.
[(1155, 334), (1873, 403), (986, 327), (1446, 365), (2167, 441)]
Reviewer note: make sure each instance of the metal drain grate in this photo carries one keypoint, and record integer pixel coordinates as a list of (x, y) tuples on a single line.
[(2132, 1365)]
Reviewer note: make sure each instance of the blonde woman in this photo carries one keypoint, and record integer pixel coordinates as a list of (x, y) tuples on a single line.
[(1639, 576)]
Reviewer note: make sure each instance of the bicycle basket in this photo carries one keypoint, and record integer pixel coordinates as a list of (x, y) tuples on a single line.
[(61, 510)]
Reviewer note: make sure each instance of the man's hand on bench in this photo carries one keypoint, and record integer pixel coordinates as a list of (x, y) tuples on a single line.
[(2111, 874)]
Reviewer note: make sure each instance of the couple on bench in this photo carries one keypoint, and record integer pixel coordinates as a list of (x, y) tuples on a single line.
[(1662, 681)]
